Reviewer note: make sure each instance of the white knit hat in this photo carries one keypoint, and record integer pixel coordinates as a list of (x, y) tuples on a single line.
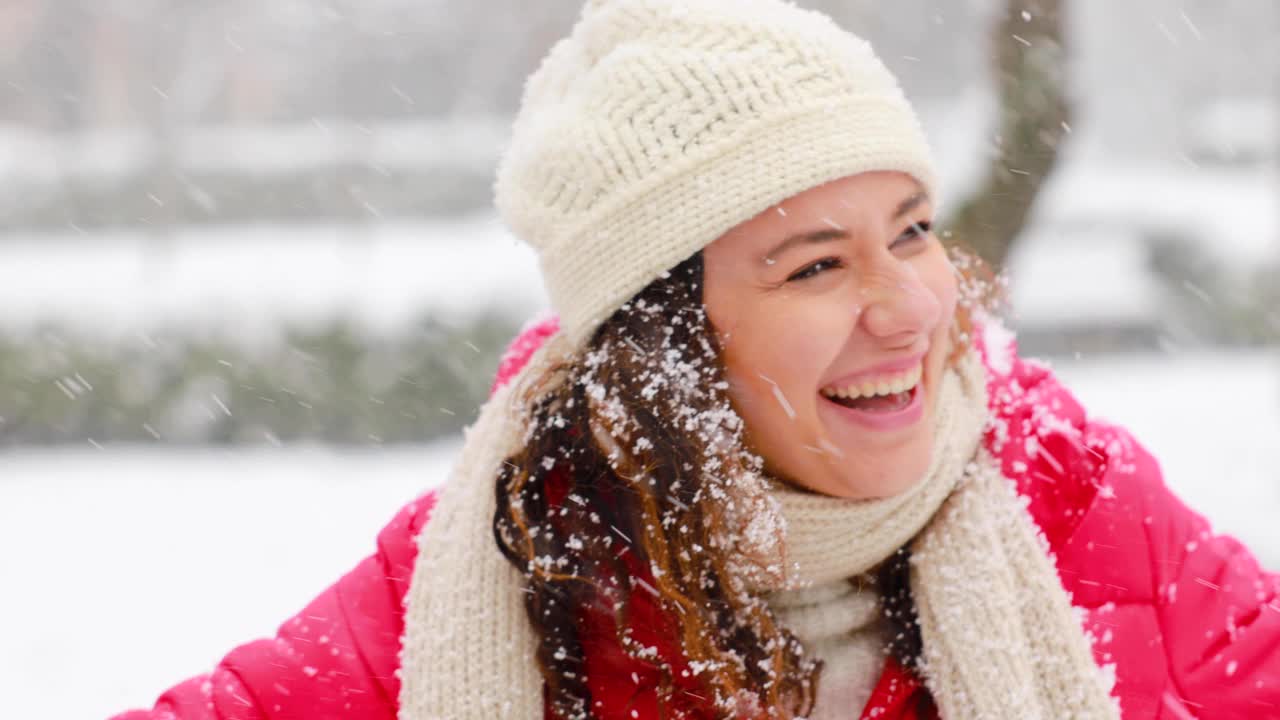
[(659, 125)]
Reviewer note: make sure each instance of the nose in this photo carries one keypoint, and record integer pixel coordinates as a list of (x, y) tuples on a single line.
[(898, 306)]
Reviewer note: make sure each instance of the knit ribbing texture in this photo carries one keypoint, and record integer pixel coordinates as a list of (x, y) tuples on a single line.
[(840, 623), (833, 543), (1000, 636), (469, 652), (659, 125)]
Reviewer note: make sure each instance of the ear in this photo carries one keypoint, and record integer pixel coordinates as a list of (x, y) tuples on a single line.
[(517, 355)]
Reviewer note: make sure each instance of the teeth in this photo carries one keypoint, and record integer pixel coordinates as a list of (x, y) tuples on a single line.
[(886, 385)]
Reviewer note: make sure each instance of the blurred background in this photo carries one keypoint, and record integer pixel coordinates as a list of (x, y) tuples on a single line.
[(252, 285)]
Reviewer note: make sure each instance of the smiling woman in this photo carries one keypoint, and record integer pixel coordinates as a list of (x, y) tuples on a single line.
[(772, 460), (851, 325)]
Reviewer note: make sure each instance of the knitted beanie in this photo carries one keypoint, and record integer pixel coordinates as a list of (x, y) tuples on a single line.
[(659, 125)]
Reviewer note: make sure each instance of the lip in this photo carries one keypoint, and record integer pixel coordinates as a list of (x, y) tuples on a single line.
[(884, 421), (888, 368)]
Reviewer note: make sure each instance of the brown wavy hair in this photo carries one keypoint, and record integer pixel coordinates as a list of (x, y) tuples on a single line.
[(634, 477)]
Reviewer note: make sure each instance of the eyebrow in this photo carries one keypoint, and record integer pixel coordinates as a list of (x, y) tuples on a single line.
[(910, 204), (806, 238), (835, 232)]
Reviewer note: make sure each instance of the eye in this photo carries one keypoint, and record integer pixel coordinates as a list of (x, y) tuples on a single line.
[(914, 232), (815, 269)]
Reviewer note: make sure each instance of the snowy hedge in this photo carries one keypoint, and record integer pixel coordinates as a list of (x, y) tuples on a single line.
[(335, 384)]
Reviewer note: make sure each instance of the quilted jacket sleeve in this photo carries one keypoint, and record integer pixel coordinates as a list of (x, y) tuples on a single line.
[(1127, 546), (1218, 611), (335, 659)]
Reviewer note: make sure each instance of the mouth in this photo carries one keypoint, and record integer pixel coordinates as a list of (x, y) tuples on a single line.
[(889, 402)]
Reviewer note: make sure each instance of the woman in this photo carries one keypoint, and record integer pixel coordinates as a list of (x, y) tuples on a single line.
[(768, 462)]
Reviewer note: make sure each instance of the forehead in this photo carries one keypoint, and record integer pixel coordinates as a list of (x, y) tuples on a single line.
[(847, 203)]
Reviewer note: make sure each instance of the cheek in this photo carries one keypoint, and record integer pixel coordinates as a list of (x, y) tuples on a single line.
[(939, 277), (787, 344)]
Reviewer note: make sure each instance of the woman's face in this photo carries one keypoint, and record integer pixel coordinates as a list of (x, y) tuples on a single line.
[(834, 310)]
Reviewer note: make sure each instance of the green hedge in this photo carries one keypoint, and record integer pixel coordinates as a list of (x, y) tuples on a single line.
[(332, 385)]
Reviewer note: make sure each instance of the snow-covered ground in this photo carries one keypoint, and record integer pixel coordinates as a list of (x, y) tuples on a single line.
[(128, 571), (257, 279), (1232, 212), (104, 156), (1065, 279)]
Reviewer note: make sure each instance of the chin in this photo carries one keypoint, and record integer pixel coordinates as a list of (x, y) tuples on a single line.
[(898, 485), (888, 483)]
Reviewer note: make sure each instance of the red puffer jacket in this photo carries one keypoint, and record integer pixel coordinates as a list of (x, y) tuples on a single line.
[(1187, 619)]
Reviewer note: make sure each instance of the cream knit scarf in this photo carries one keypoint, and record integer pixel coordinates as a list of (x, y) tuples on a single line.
[(1000, 636)]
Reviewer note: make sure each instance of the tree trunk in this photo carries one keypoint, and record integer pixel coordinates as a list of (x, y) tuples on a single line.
[(1030, 69)]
